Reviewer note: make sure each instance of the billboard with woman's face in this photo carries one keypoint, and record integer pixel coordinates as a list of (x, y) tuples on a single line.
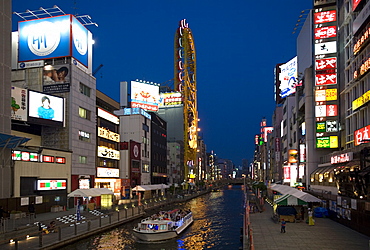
[(45, 109)]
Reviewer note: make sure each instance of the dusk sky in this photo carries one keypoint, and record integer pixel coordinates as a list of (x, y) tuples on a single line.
[(237, 42)]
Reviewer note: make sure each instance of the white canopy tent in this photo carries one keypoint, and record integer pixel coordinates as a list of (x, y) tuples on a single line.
[(92, 192), (150, 187), (294, 192)]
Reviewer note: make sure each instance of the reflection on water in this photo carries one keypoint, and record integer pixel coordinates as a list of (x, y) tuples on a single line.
[(217, 222)]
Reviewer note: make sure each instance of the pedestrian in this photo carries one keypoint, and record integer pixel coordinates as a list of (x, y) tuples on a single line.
[(283, 224), (31, 209), (311, 221)]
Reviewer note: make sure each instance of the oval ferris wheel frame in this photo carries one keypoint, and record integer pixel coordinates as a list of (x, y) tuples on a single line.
[(185, 82)]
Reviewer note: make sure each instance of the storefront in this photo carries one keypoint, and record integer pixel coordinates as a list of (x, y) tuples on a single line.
[(108, 178)]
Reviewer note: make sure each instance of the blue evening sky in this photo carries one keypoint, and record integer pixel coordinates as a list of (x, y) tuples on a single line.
[(238, 43)]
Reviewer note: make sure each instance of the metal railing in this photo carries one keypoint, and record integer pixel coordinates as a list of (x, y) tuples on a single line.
[(37, 237)]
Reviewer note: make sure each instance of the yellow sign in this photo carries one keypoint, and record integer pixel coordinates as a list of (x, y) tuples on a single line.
[(331, 94), (361, 100)]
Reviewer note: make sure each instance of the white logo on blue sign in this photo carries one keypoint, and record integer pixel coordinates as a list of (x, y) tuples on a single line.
[(44, 39)]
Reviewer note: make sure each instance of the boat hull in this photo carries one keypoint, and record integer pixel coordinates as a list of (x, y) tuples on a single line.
[(149, 235)]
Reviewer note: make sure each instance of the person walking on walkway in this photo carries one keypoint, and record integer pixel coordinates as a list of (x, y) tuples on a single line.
[(311, 221), (283, 224)]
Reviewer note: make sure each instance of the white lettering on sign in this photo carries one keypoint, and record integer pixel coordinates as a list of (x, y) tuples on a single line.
[(346, 157)]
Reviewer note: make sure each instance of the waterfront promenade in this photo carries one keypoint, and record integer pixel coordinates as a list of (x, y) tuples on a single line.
[(326, 234), (69, 230)]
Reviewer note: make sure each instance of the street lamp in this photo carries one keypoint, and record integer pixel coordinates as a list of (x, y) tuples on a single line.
[(244, 176)]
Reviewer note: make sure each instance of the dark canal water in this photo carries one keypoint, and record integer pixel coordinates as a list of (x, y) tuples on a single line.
[(217, 221)]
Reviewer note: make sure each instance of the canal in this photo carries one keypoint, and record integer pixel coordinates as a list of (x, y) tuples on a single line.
[(218, 219)]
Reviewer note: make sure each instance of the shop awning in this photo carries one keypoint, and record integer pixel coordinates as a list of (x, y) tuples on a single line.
[(289, 200), (150, 187), (92, 192), (284, 189), (11, 141)]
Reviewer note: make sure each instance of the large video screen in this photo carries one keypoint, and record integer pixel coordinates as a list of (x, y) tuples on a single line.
[(45, 109)]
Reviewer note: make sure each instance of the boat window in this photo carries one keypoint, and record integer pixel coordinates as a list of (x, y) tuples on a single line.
[(163, 227)]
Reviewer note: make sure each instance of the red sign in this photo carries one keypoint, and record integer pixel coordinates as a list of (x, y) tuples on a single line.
[(325, 32), (61, 160), (135, 148), (326, 79), (362, 135), (326, 63), (47, 158), (325, 17), (286, 173), (332, 110), (355, 4)]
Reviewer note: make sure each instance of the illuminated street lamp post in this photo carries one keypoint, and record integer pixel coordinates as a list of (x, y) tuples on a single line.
[(244, 176)]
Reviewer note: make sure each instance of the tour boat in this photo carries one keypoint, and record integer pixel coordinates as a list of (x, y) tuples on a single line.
[(163, 225)]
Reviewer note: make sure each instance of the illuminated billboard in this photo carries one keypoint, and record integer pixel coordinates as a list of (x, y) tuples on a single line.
[(325, 48), (325, 16), (362, 135), (170, 99), (288, 77), (53, 37), (323, 95), (362, 100), (19, 104), (326, 63), (145, 96), (327, 126), (325, 79), (45, 109), (56, 78), (326, 110), (325, 32), (107, 172), (355, 3), (327, 142), (43, 185)]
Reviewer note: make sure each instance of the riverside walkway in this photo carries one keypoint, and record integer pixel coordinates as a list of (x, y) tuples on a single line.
[(25, 233), (326, 234)]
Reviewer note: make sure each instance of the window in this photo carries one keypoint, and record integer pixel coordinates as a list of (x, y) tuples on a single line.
[(82, 159), (145, 168), (84, 113), (84, 89), (84, 136)]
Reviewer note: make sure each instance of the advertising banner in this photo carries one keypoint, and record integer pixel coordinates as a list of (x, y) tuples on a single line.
[(19, 104), (51, 184), (53, 37), (145, 96), (288, 77), (79, 42), (56, 78), (108, 153), (170, 99), (325, 16), (325, 48), (107, 172), (44, 38), (362, 135)]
